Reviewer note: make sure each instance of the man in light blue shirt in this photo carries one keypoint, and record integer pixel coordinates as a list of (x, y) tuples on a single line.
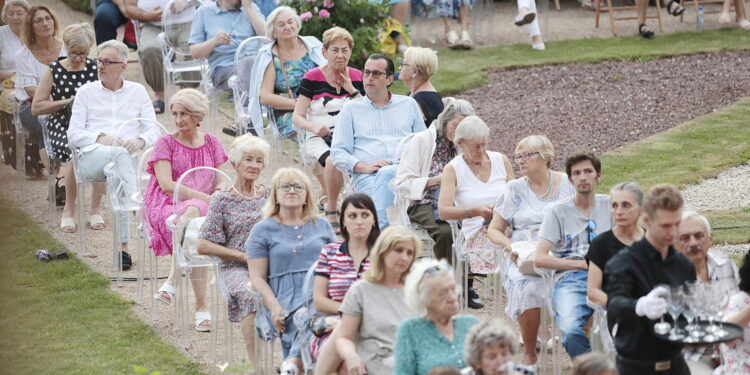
[(218, 29), (369, 128)]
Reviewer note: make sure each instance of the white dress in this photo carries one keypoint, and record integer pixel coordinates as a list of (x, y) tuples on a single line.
[(9, 47), (29, 71)]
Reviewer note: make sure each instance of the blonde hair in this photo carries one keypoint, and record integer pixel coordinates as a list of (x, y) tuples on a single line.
[(424, 60), (592, 363), (540, 144), (78, 35), (194, 102), (13, 3), (384, 244), (271, 20), (471, 128), (248, 143), (272, 207), (337, 33), (662, 197)]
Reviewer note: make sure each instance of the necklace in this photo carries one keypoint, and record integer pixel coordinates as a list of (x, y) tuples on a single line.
[(255, 192), (549, 187), (298, 237)]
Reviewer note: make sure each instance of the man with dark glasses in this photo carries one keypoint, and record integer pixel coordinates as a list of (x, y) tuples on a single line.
[(564, 238), (368, 130)]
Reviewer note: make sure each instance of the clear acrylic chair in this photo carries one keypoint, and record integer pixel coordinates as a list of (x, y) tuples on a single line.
[(266, 338), (144, 233), (244, 58), (184, 251), (22, 135), (460, 265), (302, 319), (52, 162), (548, 328), (601, 339)]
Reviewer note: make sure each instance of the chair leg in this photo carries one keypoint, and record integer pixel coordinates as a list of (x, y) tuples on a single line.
[(597, 12), (659, 17), (51, 192), (611, 13), (81, 198)]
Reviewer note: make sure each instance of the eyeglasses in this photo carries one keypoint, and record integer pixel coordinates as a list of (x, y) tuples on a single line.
[(297, 187), (81, 55), (524, 157), (374, 73), (404, 64), (430, 271), (590, 228), (108, 62)]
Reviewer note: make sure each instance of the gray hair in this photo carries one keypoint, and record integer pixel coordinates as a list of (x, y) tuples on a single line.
[(632, 187), (692, 214), (490, 333), (271, 20), (540, 144), (453, 108), (471, 128), (418, 284), (248, 143), (13, 3), (592, 363), (120, 47)]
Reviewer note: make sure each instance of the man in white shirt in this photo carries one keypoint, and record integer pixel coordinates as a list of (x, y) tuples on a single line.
[(98, 110), (567, 230)]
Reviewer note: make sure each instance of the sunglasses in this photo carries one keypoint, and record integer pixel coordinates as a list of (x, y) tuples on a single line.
[(590, 228)]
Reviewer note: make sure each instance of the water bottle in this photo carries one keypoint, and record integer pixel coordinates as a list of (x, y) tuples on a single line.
[(699, 19)]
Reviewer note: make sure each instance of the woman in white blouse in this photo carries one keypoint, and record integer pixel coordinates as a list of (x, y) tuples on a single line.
[(14, 15), (41, 47)]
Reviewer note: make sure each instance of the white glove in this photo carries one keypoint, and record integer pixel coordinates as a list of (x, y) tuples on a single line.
[(653, 304)]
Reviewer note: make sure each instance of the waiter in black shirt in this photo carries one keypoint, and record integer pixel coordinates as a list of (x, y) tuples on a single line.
[(634, 300)]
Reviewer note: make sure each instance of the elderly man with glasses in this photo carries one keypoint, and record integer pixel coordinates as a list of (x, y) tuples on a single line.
[(98, 110), (567, 230), (368, 130)]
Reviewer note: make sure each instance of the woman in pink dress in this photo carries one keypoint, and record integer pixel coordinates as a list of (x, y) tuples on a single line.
[(173, 155)]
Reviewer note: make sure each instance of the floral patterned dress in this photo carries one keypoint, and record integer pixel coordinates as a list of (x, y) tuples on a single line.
[(229, 221), (158, 204), (291, 72), (737, 354)]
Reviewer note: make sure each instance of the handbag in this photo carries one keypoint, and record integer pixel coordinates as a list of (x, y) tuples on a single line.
[(525, 261)]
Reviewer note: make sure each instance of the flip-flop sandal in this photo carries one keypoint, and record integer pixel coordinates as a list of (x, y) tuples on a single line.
[(744, 24), (168, 294), (203, 321), (96, 222), (68, 225), (158, 106), (645, 31), (678, 9)]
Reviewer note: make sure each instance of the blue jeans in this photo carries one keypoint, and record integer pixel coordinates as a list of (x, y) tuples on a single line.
[(571, 311), (107, 19), (377, 186)]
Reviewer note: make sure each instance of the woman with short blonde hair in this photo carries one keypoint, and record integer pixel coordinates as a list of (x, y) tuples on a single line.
[(335, 34), (417, 68), (192, 100), (280, 250)]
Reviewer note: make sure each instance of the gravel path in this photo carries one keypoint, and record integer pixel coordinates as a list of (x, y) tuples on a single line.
[(730, 189)]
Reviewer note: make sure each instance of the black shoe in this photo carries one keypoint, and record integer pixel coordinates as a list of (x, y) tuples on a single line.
[(474, 301), (126, 260), (230, 130)]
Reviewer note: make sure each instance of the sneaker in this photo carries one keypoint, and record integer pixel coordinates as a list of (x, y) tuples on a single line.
[(230, 130), (452, 38), (539, 46), (466, 41)]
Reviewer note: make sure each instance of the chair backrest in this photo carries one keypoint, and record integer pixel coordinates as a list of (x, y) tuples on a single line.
[(45, 137), (173, 23), (244, 58)]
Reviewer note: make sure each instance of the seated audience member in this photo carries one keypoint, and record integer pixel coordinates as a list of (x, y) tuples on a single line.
[(149, 13), (739, 10), (280, 249), (694, 239), (420, 169), (231, 216), (431, 339), (521, 207), (374, 307), (527, 15), (108, 16), (14, 16), (218, 29), (626, 208), (736, 353), (470, 185), (279, 67), (461, 11), (40, 47), (340, 264), (593, 363), (54, 97), (567, 231), (418, 66), (673, 7), (98, 110), (368, 131), (490, 348), (634, 299), (173, 155), (444, 371), (319, 102)]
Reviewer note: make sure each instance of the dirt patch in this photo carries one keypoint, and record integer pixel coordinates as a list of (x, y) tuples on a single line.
[(599, 107)]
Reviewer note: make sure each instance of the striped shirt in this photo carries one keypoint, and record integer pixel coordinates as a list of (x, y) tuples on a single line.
[(337, 265), (366, 133)]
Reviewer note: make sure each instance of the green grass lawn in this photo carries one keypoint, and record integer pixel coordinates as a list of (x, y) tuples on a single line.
[(61, 317)]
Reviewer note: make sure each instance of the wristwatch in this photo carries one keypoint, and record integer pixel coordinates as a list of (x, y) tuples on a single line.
[(467, 213)]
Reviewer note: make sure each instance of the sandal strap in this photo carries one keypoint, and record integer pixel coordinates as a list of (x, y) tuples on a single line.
[(166, 288), (200, 316), (332, 212)]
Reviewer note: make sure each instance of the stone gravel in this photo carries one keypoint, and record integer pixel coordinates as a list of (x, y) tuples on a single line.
[(730, 189)]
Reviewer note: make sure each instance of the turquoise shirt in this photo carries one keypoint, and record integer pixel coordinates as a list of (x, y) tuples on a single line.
[(420, 347)]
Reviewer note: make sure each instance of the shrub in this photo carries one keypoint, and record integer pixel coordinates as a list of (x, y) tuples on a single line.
[(82, 5), (360, 17)]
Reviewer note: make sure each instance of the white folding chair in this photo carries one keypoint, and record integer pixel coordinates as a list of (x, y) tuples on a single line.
[(244, 59)]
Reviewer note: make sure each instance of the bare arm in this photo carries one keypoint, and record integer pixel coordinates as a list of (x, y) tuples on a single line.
[(6, 75), (203, 49), (446, 207), (741, 318), (268, 97), (299, 118), (594, 290), (347, 330), (321, 300), (256, 20), (206, 247), (542, 259), (508, 168), (30, 91), (121, 6), (163, 171), (133, 12), (43, 103), (496, 231), (258, 268)]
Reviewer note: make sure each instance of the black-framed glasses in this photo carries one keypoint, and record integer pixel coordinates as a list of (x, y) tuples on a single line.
[(108, 62), (297, 187), (590, 228), (374, 73), (525, 156), (81, 55)]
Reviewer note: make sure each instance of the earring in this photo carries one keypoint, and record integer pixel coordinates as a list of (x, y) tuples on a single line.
[(414, 75)]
